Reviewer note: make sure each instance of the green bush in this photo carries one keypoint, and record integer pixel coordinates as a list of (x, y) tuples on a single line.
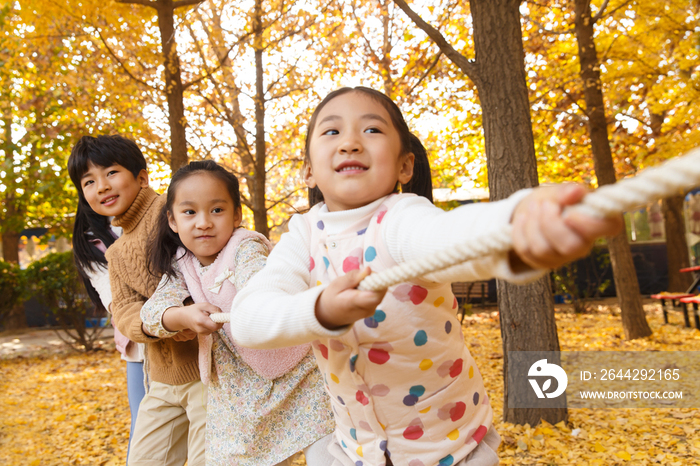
[(11, 288), (56, 283)]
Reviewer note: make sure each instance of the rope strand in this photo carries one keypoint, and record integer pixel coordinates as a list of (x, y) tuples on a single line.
[(672, 177)]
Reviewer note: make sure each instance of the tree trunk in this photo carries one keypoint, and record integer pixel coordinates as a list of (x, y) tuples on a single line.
[(12, 221), (17, 318), (385, 59), (258, 188), (10, 246), (527, 312), (633, 319), (174, 89), (676, 244)]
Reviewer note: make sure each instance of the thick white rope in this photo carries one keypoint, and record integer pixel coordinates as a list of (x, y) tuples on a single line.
[(673, 177)]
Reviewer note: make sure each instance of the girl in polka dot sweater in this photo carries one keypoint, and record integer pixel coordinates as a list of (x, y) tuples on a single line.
[(404, 389)]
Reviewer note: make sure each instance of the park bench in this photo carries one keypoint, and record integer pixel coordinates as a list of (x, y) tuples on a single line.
[(694, 301), (470, 293), (672, 302), (678, 301)]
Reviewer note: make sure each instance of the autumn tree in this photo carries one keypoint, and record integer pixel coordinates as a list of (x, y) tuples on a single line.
[(646, 58), (258, 95), (174, 88), (50, 97), (387, 51), (499, 75), (654, 89), (634, 321)]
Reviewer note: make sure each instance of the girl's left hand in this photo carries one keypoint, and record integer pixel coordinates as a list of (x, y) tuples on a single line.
[(544, 239), (194, 317)]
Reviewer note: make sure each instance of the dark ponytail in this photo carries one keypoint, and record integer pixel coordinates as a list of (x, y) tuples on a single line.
[(421, 183), (165, 242)]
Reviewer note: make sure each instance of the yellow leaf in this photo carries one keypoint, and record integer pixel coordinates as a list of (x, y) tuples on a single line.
[(623, 455), (599, 448)]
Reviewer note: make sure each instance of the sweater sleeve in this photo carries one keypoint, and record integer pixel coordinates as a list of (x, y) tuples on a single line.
[(126, 303), (414, 228), (277, 308)]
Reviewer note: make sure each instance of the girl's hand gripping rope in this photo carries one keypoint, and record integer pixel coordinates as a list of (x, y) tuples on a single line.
[(342, 303), (195, 317), (545, 236)]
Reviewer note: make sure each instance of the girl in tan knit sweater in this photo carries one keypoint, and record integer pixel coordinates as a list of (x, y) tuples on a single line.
[(169, 428)]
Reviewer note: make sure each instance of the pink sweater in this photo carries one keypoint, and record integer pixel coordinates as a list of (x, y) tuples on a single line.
[(216, 286)]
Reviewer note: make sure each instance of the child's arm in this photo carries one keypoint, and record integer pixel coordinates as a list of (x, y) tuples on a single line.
[(164, 314), (126, 302), (543, 238), (277, 308), (409, 239)]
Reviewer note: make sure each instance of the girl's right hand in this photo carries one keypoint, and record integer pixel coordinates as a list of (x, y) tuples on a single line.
[(194, 317), (342, 303)]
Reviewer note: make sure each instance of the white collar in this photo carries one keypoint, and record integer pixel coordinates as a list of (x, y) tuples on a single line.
[(339, 221)]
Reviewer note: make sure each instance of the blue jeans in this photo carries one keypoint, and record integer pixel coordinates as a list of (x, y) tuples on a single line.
[(136, 392)]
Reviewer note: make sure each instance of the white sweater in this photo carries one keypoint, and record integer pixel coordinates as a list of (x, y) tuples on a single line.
[(277, 307)]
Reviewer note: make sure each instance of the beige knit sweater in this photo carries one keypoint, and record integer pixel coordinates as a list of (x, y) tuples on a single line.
[(169, 361)]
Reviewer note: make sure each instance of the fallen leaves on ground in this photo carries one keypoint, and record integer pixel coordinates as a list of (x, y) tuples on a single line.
[(73, 409), (66, 409), (669, 437)]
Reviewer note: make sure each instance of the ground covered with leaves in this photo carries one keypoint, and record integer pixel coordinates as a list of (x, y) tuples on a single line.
[(72, 409)]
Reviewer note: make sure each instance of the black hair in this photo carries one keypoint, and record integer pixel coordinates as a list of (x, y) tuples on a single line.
[(103, 151), (420, 183), (165, 242)]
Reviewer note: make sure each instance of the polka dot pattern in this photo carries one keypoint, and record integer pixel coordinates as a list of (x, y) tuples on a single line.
[(414, 431), (374, 321), (421, 338), (353, 360), (413, 293), (479, 434), (362, 398), (426, 358), (380, 390), (370, 254)]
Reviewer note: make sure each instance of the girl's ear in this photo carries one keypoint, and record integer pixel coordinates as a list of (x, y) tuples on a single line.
[(309, 176), (406, 169), (237, 218), (142, 179), (171, 222)]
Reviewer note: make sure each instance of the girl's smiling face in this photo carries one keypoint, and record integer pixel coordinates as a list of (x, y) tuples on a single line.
[(355, 153), (111, 190), (204, 216)]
